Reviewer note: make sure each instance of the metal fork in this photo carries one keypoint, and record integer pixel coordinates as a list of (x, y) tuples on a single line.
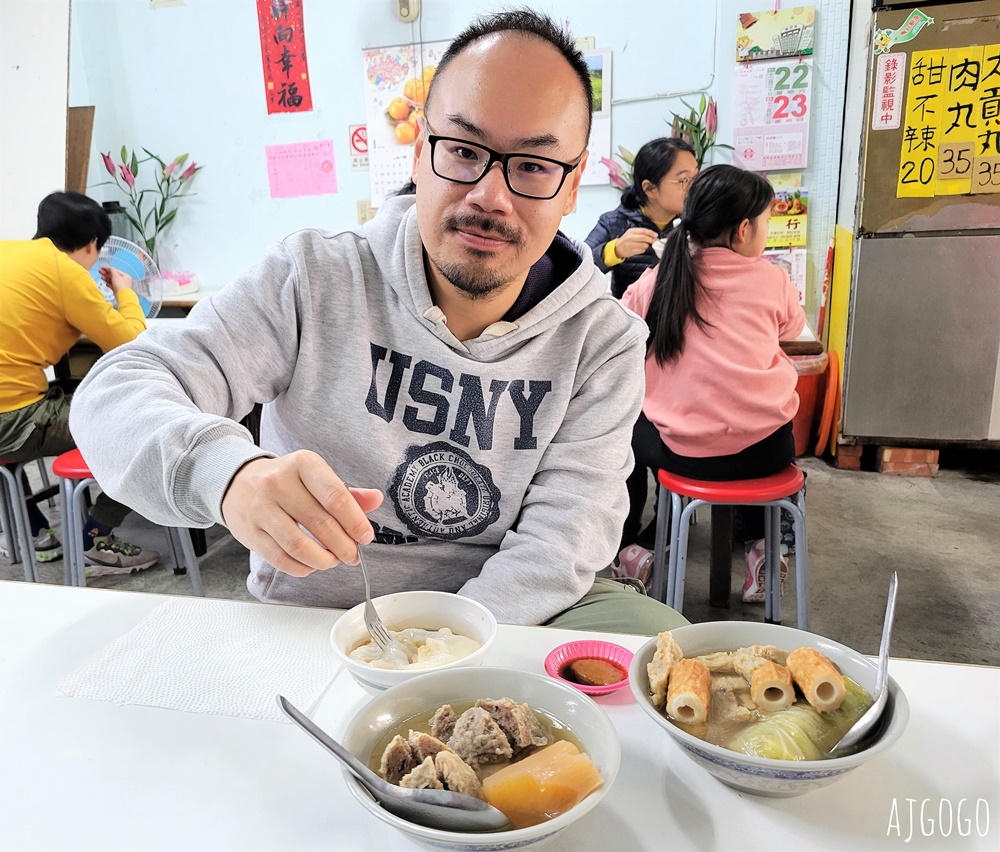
[(372, 621)]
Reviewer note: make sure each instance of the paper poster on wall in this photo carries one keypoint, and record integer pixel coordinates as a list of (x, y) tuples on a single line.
[(922, 124), (951, 126), (302, 168), (961, 116), (887, 103), (599, 145), (365, 211), (788, 219), (774, 33), (395, 89), (357, 135), (987, 175), (885, 39), (773, 105), (793, 261), (283, 52), (785, 180)]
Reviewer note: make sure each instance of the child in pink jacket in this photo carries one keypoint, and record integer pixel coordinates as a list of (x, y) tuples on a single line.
[(720, 393)]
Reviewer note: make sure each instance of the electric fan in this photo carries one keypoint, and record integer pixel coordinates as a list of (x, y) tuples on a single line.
[(134, 261)]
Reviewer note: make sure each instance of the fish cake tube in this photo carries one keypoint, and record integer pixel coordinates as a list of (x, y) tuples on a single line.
[(771, 687), (667, 653), (689, 692), (818, 678)]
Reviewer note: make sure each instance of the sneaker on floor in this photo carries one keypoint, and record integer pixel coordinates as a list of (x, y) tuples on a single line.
[(753, 585), (48, 548), (111, 555), (635, 563)]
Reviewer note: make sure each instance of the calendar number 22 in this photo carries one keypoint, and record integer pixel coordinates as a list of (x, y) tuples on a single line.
[(793, 107)]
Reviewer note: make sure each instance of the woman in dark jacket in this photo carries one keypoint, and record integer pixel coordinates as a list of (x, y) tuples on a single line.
[(623, 239)]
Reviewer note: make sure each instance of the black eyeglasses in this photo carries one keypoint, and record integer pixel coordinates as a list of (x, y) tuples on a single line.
[(461, 161)]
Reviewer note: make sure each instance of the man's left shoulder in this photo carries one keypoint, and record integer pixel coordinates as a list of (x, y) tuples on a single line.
[(606, 329), (608, 314), (311, 242)]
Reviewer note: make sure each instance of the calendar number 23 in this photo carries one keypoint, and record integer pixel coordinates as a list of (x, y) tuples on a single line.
[(790, 107)]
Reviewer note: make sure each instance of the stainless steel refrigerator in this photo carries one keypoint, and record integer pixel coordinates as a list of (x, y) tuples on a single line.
[(923, 348)]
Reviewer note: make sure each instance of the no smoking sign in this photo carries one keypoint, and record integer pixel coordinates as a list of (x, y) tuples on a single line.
[(359, 147)]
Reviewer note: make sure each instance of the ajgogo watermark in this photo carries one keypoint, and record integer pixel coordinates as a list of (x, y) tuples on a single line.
[(940, 819)]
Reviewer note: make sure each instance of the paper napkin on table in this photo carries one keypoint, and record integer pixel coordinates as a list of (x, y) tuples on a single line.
[(204, 656)]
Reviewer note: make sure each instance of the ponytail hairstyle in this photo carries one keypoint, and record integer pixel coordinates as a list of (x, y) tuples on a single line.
[(654, 160), (717, 202)]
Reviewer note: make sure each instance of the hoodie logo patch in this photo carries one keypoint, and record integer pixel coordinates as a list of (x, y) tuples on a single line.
[(440, 492)]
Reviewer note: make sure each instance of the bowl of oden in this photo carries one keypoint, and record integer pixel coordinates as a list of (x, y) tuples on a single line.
[(439, 630), (760, 706), (531, 746)]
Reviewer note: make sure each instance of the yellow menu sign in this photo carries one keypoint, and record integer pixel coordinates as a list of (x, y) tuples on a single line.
[(951, 127), (959, 122), (922, 123)]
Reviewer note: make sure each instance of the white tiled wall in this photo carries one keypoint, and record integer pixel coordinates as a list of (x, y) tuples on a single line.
[(822, 176)]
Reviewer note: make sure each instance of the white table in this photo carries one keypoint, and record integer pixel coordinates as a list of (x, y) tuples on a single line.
[(77, 774), (189, 300)]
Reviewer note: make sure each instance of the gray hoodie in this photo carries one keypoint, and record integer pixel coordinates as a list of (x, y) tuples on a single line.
[(503, 460)]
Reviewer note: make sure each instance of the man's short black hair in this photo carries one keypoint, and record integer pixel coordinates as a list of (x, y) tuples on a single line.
[(72, 220), (527, 23)]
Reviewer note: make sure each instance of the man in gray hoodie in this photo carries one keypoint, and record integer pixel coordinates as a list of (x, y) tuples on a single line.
[(451, 385)]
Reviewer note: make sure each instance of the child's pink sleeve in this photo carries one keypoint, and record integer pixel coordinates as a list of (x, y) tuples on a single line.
[(639, 294), (793, 318)]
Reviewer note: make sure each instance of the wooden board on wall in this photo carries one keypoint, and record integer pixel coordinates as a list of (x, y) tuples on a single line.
[(882, 211), (79, 130)]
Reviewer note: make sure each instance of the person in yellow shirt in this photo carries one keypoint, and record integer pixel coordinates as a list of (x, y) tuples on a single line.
[(49, 299)]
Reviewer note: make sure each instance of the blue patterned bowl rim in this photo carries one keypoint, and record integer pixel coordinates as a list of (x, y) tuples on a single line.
[(692, 640)]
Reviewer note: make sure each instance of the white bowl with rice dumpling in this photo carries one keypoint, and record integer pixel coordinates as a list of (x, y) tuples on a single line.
[(438, 630), (760, 705)]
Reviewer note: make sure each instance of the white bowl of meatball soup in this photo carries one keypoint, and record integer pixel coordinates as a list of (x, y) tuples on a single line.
[(508, 727)]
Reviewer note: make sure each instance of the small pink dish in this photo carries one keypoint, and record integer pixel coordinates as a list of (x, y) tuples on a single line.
[(559, 658)]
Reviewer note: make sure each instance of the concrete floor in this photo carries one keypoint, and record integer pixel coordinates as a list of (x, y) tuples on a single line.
[(942, 535)]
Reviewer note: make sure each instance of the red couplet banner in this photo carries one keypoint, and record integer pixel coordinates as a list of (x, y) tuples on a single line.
[(283, 52)]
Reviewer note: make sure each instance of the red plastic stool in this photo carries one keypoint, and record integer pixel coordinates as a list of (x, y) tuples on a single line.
[(781, 491), (74, 479), (14, 512)]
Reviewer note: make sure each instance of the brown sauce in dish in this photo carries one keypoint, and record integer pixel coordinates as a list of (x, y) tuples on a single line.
[(593, 671)]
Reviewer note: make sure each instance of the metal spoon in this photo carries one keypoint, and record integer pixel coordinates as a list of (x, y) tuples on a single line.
[(857, 732), (433, 808)]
